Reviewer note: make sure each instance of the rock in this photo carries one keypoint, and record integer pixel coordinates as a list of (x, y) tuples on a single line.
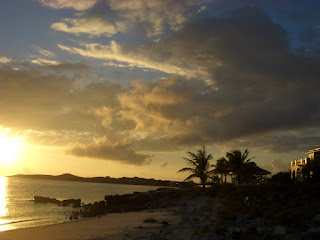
[(137, 201), (317, 218), (209, 236), (280, 230), (74, 215), (76, 203), (150, 220), (68, 202), (92, 210), (39, 199), (165, 223)]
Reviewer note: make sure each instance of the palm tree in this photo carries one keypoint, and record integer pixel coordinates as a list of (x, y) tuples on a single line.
[(199, 166), (239, 163), (222, 168)]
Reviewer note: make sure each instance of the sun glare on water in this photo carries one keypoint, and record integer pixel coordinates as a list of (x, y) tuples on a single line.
[(9, 149)]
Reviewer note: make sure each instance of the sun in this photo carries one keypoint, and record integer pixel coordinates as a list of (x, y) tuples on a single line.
[(9, 149)]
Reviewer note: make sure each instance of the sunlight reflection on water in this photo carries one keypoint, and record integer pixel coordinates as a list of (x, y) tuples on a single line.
[(3, 197), (3, 204)]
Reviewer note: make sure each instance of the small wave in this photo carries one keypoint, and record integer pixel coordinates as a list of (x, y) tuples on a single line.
[(20, 221)]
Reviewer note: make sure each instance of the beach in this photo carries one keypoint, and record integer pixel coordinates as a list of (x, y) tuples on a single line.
[(114, 224), (220, 212), (179, 221)]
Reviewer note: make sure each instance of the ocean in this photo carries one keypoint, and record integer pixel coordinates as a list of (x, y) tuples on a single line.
[(17, 210)]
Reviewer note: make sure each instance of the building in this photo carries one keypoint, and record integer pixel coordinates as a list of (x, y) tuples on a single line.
[(297, 165)]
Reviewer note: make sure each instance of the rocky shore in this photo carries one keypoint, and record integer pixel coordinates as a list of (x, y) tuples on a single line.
[(76, 203), (138, 201), (220, 212), (227, 212)]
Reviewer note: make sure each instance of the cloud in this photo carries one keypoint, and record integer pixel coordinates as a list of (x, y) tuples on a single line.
[(103, 149), (114, 64), (52, 109), (278, 142), (234, 80), (150, 17), (4, 59), (279, 165), (68, 67), (44, 52), (156, 15), (79, 5), (140, 58), (35, 99), (42, 62), (90, 26), (258, 87)]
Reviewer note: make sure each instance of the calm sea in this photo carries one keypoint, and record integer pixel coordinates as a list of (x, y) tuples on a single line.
[(17, 210)]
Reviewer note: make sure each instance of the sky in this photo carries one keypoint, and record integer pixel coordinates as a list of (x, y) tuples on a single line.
[(127, 87)]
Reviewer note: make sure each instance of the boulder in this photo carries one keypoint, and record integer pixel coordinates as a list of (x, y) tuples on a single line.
[(76, 203), (280, 231), (39, 199), (92, 210), (68, 202)]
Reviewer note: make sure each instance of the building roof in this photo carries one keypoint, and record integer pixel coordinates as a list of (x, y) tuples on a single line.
[(260, 171), (313, 150)]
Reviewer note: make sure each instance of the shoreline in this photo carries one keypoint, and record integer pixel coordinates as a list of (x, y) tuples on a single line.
[(180, 218), (222, 212), (92, 228)]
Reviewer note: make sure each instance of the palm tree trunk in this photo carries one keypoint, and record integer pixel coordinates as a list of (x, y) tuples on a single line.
[(239, 180)]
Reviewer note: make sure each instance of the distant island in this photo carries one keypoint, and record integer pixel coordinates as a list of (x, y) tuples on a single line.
[(123, 180)]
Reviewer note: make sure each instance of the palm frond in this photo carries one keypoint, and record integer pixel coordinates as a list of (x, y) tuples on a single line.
[(193, 155), (190, 177), (190, 161), (200, 165), (209, 157), (187, 169)]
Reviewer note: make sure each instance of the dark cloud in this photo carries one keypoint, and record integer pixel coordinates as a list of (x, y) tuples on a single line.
[(282, 142), (33, 99), (239, 80), (259, 85), (103, 149)]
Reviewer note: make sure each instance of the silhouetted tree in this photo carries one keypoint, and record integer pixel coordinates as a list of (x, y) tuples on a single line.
[(199, 166), (282, 177), (240, 164), (222, 168)]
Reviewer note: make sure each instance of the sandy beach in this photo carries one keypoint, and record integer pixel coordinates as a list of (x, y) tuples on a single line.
[(180, 221), (114, 224), (224, 212)]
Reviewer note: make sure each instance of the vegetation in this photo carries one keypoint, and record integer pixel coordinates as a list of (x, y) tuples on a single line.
[(199, 166), (291, 205), (240, 165), (282, 177), (235, 163), (222, 168)]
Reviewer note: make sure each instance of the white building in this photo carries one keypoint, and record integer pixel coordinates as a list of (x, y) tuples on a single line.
[(297, 165)]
